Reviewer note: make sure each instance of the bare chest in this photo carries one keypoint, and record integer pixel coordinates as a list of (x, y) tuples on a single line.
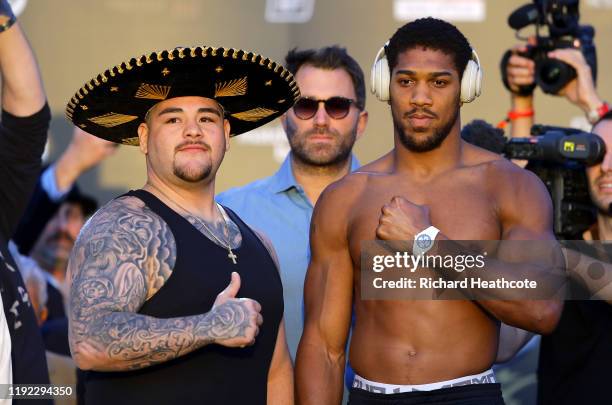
[(462, 207)]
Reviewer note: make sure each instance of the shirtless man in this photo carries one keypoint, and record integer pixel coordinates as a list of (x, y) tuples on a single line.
[(429, 177)]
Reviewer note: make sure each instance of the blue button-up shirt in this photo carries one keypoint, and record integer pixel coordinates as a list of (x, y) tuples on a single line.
[(279, 207)]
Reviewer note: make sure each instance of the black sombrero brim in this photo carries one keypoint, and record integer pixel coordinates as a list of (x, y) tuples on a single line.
[(252, 89)]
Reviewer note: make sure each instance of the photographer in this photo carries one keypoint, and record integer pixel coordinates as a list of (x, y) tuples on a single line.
[(580, 91), (575, 359)]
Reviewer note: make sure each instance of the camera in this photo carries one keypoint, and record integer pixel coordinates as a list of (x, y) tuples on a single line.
[(558, 156), (561, 19)]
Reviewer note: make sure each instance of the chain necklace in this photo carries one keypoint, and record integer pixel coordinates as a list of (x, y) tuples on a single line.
[(226, 244)]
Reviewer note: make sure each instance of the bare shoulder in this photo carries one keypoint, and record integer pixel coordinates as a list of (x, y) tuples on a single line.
[(123, 238), (353, 185), (505, 175), (382, 165), (523, 202), (340, 195)]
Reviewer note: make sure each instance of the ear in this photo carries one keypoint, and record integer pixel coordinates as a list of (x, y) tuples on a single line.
[(362, 122), (226, 133), (143, 136)]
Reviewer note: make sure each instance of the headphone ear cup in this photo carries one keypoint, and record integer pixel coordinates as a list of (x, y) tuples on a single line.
[(470, 82), (380, 76), (479, 82)]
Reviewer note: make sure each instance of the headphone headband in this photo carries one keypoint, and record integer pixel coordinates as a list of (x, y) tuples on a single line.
[(471, 81)]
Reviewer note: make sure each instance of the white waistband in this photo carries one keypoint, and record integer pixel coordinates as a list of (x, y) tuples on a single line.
[(486, 377)]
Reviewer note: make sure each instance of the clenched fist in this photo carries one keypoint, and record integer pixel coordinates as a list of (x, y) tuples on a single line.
[(402, 220)]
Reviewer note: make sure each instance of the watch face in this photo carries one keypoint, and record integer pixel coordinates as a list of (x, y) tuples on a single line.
[(423, 241)]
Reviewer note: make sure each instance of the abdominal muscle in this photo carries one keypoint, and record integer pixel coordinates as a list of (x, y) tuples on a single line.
[(421, 342)]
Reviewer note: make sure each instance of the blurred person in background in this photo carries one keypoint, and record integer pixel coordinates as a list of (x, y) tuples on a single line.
[(49, 227), (57, 211), (62, 370), (322, 128), (23, 133)]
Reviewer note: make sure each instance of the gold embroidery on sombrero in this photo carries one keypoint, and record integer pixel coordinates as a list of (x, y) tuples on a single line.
[(236, 87), (131, 141), (112, 119), (152, 91), (254, 115)]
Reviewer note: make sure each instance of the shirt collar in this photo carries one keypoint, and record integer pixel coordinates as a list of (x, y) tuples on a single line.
[(284, 179)]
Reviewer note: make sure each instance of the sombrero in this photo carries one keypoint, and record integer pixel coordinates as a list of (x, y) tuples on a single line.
[(252, 89)]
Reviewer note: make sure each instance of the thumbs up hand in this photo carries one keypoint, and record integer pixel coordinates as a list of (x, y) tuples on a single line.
[(233, 322)]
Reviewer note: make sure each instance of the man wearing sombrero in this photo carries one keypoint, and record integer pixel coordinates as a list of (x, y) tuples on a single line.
[(154, 313)]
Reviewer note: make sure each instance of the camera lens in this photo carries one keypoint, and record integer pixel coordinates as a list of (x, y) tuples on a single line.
[(552, 75)]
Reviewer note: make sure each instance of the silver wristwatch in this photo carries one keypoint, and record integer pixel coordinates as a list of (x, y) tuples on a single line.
[(424, 240)]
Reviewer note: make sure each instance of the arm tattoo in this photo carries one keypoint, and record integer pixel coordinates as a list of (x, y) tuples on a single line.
[(123, 255)]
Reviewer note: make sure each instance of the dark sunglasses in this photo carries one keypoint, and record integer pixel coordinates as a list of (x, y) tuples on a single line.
[(336, 107)]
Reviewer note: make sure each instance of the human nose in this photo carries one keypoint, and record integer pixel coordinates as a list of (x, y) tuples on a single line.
[(192, 128), (421, 95), (321, 118)]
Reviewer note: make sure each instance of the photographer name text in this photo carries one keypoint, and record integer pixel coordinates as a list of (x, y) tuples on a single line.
[(435, 283)]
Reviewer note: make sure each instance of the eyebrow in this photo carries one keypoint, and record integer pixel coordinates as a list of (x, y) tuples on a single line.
[(170, 110), (433, 74)]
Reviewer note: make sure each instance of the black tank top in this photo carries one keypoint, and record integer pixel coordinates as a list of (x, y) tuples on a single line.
[(213, 374)]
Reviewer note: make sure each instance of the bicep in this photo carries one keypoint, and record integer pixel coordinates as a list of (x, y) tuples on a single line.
[(328, 289), (122, 256), (526, 209)]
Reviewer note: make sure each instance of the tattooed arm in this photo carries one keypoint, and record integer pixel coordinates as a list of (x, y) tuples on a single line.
[(123, 255)]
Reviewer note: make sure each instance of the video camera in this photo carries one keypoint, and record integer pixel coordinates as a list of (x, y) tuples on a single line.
[(558, 156), (561, 18)]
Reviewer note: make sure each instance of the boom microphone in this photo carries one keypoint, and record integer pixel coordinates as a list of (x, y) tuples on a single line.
[(523, 16)]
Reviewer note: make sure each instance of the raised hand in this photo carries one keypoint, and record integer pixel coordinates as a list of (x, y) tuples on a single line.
[(84, 152), (580, 91), (520, 70)]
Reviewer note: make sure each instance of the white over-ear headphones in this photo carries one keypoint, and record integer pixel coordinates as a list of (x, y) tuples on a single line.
[(471, 81)]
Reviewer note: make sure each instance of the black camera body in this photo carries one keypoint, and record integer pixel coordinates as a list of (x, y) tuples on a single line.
[(559, 156), (561, 18)]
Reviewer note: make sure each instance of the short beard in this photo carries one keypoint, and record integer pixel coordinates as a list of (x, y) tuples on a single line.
[(299, 151), (191, 176), (431, 143)]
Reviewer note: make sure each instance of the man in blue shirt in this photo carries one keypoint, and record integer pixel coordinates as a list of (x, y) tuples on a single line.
[(322, 128)]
